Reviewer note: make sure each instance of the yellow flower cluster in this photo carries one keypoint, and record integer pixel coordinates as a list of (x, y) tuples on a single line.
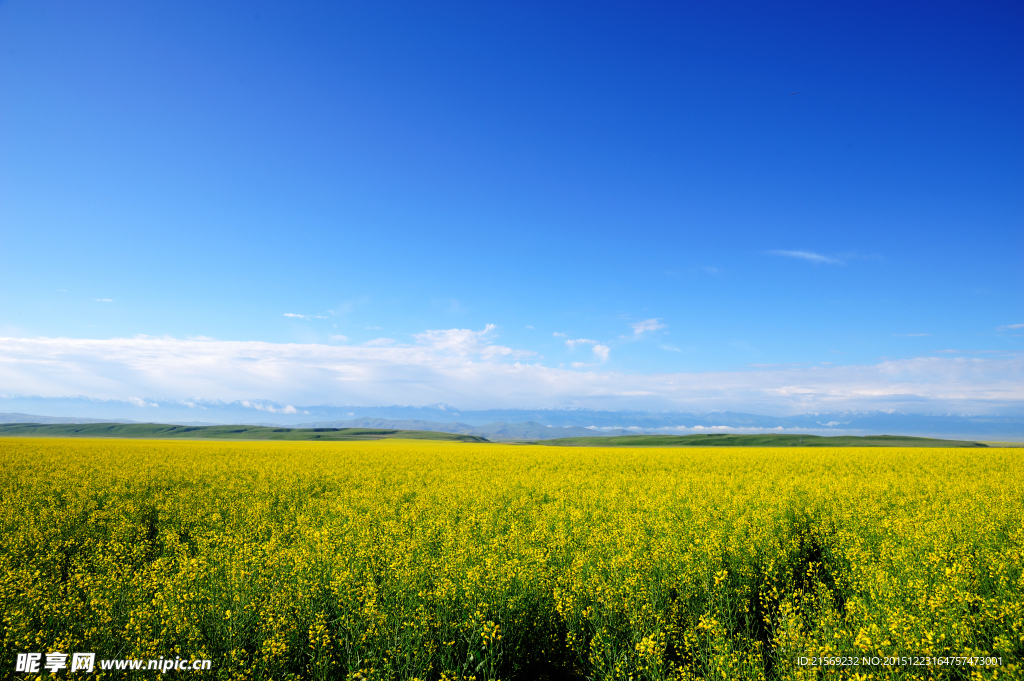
[(396, 560)]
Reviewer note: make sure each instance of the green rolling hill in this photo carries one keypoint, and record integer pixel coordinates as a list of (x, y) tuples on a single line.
[(761, 440), (163, 431)]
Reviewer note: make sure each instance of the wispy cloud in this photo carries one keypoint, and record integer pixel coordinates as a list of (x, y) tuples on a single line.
[(572, 343), (304, 316), (556, 334), (1012, 326), (601, 352), (808, 256), (466, 367), (465, 342), (647, 325), (104, 300), (339, 338)]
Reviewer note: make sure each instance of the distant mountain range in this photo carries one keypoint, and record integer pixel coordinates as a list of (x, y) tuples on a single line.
[(528, 430), (503, 424)]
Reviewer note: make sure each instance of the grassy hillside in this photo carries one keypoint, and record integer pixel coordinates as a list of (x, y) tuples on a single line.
[(158, 430), (761, 440), (498, 431)]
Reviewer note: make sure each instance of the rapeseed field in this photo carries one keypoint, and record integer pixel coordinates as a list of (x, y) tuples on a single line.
[(424, 560)]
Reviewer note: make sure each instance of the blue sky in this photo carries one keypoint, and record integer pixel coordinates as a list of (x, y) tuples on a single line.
[(624, 192)]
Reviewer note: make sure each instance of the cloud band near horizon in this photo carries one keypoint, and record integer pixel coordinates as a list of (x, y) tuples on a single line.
[(459, 366)]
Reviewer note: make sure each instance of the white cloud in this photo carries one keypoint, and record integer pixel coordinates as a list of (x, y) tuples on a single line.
[(647, 325), (601, 352), (379, 342), (559, 335), (104, 300), (463, 367), (809, 256), (263, 406), (464, 342), (304, 316), (1012, 326), (138, 402), (580, 341)]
